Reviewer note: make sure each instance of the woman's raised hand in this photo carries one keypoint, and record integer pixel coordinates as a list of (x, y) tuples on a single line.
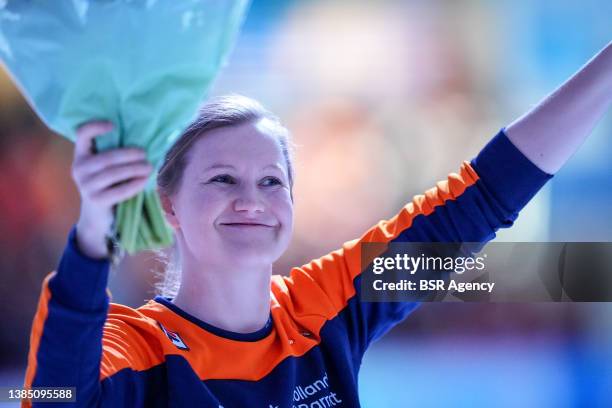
[(103, 180)]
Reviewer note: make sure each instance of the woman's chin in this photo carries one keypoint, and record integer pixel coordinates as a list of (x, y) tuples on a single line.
[(250, 251)]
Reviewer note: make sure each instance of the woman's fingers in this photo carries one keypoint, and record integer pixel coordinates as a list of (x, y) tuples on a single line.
[(104, 179), (87, 166), (115, 175), (86, 134), (121, 192)]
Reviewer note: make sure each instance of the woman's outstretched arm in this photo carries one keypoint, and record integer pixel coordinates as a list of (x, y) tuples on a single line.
[(550, 133)]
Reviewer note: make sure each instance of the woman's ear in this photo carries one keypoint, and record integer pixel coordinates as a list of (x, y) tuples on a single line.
[(168, 208)]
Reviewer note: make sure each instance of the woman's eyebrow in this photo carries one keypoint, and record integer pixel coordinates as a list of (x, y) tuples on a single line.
[(274, 166), (219, 166), (277, 167)]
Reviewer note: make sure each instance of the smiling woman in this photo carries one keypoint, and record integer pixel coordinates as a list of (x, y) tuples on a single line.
[(233, 334), (226, 182), (226, 190)]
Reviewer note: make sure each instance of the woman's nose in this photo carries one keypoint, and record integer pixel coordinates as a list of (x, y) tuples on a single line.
[(248, 200)]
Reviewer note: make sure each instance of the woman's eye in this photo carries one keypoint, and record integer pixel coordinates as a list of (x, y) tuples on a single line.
[(271, 181), (223, 178)]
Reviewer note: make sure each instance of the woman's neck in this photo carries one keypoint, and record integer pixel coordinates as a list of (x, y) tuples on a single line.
[(233, 300)]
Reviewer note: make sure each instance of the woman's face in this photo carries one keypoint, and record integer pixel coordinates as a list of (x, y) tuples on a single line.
[(234, 205)]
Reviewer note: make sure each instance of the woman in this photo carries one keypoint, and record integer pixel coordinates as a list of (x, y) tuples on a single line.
[(234, 335)]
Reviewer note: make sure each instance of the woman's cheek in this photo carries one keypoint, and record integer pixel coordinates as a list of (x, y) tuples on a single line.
[(280, 195), (208, 197), (284, 206), (198, 210)]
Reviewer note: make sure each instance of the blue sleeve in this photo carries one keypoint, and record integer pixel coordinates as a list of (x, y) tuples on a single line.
[(507, 180), (66, 339), (504, 181)]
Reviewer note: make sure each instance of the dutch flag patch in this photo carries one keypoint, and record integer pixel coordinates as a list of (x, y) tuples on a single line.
[(174, 337)]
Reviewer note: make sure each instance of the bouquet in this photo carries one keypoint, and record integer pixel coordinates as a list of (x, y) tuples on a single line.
[(144, 65)]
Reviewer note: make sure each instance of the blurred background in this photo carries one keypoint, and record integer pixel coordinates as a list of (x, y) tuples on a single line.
[(383, 98)]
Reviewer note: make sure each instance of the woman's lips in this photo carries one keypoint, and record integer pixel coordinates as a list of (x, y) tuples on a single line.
[(246, 225)]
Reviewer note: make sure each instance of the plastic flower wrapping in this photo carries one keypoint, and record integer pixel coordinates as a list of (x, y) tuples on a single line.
[(145, 65)]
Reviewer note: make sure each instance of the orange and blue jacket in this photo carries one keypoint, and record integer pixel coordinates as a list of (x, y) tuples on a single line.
[(307, 355)]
